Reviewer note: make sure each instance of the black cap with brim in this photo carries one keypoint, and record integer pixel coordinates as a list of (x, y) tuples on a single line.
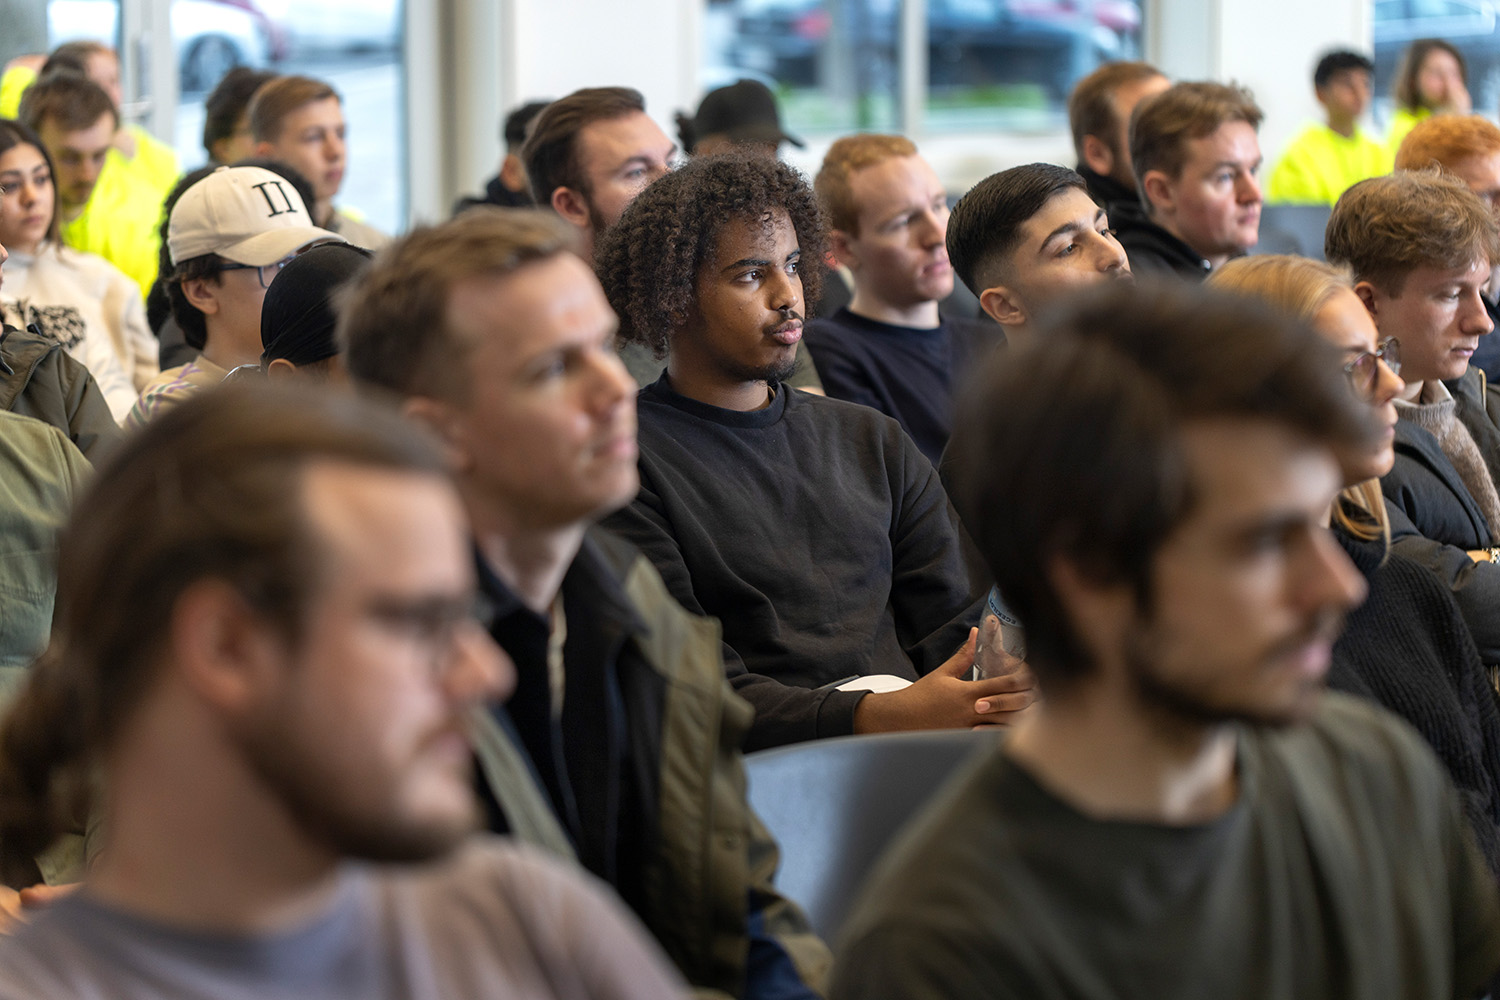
[(745, 112)]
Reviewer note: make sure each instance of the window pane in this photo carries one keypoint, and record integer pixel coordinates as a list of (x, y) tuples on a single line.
[(833, 63), (1010, 64), (210, 37), (79, 20), (354, 45)]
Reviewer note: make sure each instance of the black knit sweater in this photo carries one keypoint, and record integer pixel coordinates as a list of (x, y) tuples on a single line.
[(1408, 649)]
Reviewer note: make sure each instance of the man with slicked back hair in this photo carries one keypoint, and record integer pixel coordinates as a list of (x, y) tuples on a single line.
[(260, 679)]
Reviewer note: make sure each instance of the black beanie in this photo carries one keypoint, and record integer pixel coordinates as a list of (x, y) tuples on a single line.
[(297, 319)]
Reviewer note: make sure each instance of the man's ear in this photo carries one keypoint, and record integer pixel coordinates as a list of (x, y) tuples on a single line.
[(280, 368), (1003, 306), (1097, 155), (445, 421), (841, 243), (571, 205), (1161, 192), (1369, 295), (224, 651), (202, 294), (513, 173), (265, 149)]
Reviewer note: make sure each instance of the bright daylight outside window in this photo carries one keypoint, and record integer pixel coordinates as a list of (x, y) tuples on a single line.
[(991, 64), (1470, 26), (355, 45)]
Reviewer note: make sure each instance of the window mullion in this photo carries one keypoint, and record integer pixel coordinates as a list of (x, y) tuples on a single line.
[(913, 61)]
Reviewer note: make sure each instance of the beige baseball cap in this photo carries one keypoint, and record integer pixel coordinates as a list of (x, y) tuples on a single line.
[(246, 214)]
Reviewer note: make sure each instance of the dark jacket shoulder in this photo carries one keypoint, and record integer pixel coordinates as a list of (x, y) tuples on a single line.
[(1427, 488), (39, 379), (1151, 249)]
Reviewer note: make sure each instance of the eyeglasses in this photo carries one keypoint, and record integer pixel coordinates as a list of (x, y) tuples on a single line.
[(433, 625), (265, 272), (1364, 370)]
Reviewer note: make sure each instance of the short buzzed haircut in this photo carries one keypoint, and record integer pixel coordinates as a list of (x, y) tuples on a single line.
[(1446, 140), (71, 101), (1385, 227), (551, 151), (394, 327), (1340, 61), (1091, 105), (280, 97), (1076, 440), (834, 183), (73, 57), (985, 226), (1162, 126)]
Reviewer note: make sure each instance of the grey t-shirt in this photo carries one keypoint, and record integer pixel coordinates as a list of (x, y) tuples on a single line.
[(1344, 870), (494, 922)]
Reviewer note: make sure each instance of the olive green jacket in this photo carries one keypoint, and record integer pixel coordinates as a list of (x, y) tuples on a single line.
[(714, 860)]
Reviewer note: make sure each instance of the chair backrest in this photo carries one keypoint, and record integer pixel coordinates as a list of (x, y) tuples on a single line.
[(1295, 229), (835, 804)]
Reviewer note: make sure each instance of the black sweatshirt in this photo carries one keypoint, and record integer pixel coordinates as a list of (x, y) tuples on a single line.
[(1408, 649), (816, 532), (905, 372)]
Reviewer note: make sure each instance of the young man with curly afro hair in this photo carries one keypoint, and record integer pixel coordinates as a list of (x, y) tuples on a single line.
[(813, 528)]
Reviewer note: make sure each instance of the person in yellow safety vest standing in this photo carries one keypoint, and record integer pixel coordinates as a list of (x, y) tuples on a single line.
[(1325, 159), (118, 219)]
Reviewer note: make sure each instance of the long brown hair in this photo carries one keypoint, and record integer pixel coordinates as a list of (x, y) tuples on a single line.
[(1405, 89)]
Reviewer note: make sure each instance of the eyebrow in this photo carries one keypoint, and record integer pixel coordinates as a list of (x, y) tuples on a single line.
[(1069, 227), (1235, 164), (915, 205), (645, 158), (760, 262), (1276, 521)]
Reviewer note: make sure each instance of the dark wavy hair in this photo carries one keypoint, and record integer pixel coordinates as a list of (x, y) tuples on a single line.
[(649, 261)]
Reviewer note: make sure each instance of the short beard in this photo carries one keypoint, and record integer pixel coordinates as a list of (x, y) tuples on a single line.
[(772, 375), (596, 221), (290, 774), (1185, 708)]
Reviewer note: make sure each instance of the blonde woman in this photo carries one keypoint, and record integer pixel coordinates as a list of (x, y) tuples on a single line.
[(1408, 646)]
